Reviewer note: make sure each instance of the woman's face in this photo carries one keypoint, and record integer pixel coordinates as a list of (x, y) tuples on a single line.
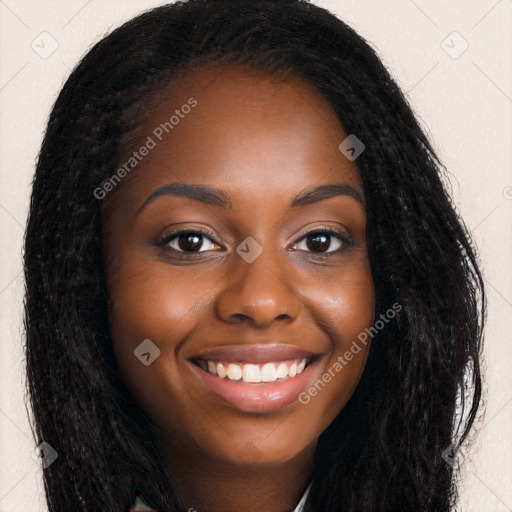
[(216, 251)]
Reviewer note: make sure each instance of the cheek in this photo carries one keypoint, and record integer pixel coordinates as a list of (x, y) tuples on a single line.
[(345, 307), (149, 302), (343, 303), (348, 307)]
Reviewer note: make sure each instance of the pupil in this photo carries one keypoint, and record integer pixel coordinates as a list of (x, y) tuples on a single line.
[(190, 241), (320, 242)]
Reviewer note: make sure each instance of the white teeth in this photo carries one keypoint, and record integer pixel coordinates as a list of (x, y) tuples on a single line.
[(221, 370), (251, 373), (255, 373), (234, 372), (268, 373), (212, 368), (282, 371)]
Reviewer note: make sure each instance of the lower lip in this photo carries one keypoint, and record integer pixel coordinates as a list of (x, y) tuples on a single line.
[(261, 397)]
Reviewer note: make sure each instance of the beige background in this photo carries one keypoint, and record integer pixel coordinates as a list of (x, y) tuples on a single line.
[(462, 96)]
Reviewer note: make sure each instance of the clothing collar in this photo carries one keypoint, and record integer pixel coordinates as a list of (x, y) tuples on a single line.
[(302, 502), (140, 504)]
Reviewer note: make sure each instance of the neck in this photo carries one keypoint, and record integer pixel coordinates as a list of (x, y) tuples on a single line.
[(209, 485)]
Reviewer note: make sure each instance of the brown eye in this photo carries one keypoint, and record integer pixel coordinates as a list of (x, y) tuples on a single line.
[(319, 242), (323, 242), (189, 241)]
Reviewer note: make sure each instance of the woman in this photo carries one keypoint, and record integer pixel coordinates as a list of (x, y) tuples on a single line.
[(246, 285)]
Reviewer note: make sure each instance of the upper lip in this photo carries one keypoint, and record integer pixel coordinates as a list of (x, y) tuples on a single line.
[(254, 353)]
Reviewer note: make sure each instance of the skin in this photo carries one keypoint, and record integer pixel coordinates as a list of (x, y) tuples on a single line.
[(263, 140)]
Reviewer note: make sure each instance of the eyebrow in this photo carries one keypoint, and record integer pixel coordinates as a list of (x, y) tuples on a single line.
[(218, 197), (323, 192)]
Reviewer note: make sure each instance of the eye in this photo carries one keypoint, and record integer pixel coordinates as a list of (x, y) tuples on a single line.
[(323, 241), (188, 241)]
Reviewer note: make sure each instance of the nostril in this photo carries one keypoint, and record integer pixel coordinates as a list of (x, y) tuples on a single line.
[(241, 316)]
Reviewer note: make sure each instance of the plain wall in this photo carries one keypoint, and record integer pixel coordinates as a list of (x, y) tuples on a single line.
[(463, 101)]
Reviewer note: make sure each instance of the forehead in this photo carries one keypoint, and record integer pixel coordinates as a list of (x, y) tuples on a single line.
[(248, 132)]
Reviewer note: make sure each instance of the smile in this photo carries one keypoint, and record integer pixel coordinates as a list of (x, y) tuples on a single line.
[(256, 378), (254, 373)]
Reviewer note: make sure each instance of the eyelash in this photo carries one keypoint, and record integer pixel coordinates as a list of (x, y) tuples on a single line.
[(346, 241)]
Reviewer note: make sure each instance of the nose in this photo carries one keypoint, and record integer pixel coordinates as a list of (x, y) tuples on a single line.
[(257, 293)]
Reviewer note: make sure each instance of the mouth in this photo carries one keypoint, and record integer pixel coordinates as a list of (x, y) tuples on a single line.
[(256, 379), (254, 373)]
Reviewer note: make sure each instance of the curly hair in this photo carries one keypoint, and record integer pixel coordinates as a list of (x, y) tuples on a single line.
[(384, 451)]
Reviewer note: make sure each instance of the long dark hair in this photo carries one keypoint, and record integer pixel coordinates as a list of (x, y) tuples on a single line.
[(384, 452)]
